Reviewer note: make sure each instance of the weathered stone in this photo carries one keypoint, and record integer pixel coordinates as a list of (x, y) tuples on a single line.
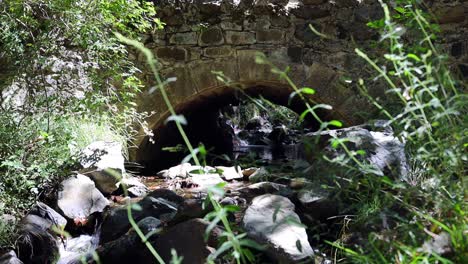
[(117, 223), (134, 186), (172, 54), (303, 32), (188, 38), (261, 188), (368, 13), (129, 247), (36, 243), (176, 171), (295, 54), (316, 202), (188, 240), (259, 24), (268, 221), (228, 25), (78, 198), (310, 12), (383, 152), (44, 211), (230, 173), (240, 38), (103, 162), (312, 2), (270, 36), (452, 14), (211, 37), (218, 52), (10, 258), (260, 175)]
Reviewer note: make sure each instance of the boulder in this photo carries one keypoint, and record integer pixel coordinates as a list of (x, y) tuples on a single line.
[(204, 177), (135, 187), (44, 211), (261, 188), (188, 240), (176, 171), (103, 162), (230, 173), (10, 258), (270, 220), (78, 198), (129, 247), (37, 242), (316, 202), (259, 175), (383, 151), (159, 204)]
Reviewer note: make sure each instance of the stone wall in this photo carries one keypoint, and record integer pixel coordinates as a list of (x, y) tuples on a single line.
[(205, 36)]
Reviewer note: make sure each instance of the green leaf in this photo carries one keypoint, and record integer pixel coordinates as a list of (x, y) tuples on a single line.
[(307, 90), (414, 57), (335, 123)]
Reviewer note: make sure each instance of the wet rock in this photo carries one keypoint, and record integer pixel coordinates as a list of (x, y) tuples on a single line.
[(261, 188), (44, 211), (316, 202), (230, 173), (129, 247), (260, 175), (188, 240), (73, 249), (268, 221), (78, 198), (254, 123), (383, 151), (10, 258), (204, 177), (189, 209), (135, 187), (176, 171), (204, 181), (37, 242), (161, 205), (103, 162), (248, 172)]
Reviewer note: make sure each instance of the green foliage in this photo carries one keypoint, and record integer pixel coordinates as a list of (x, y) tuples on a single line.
[(70, 83)]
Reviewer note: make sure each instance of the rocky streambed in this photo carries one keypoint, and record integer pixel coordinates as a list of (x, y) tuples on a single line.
[(89, 219)]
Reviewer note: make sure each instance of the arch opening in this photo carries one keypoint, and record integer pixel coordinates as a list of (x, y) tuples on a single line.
[(210, 122)]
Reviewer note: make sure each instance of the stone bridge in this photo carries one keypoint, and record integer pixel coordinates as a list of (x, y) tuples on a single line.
[(203, 37)]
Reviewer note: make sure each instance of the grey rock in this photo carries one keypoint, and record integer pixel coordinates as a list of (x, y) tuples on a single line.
[(188, 239), (37, 242), (162, 205), (230, 173), (383, 151), (78, 198), (44, 211), (10, 258), (268, 221), (135, 187), (261, 188), (103, 162), (176, 171)]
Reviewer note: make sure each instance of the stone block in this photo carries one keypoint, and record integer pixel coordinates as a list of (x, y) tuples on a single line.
[(271, 36), (452, 14), (240, 38), (171, 54), (310, 12), (228, 25), (188, 38), (217, 52), (211, 37)]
